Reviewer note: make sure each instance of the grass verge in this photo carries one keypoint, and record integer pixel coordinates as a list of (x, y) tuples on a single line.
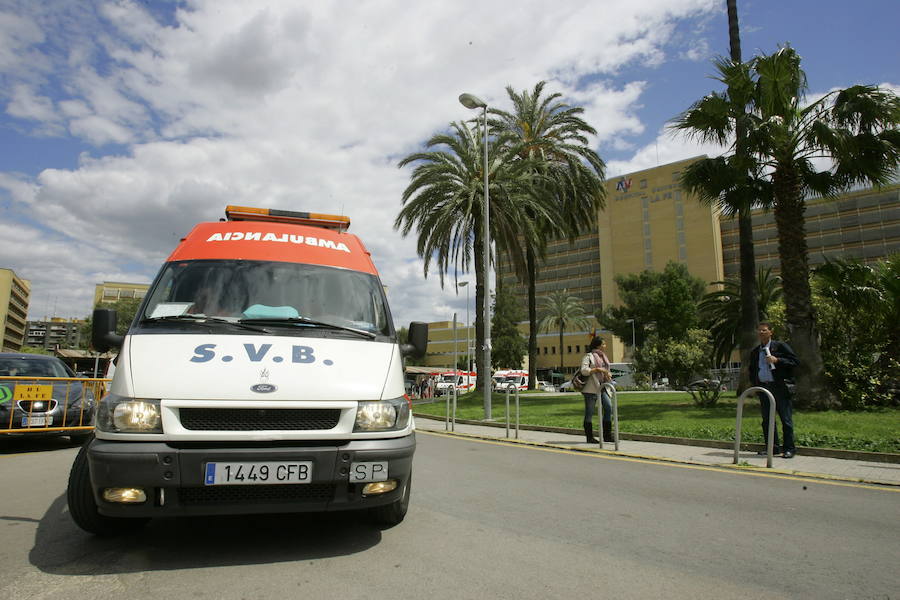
[(674, 414)]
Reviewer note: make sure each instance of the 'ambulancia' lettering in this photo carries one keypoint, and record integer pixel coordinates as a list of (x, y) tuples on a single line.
[(256, 236)]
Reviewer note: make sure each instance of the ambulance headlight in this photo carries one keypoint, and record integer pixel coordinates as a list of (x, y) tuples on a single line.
[(120, 414), (382, 415)]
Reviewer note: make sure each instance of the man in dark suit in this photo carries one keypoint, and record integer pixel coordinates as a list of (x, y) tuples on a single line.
[(771, 364)]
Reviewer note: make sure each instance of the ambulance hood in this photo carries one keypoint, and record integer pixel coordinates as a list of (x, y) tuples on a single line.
[(240, 367)]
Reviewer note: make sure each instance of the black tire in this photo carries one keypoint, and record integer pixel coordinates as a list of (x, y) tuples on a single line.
[(83, 507), (393, 513)]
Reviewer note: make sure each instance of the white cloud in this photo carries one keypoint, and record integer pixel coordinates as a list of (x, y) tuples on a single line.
[(304, 106)]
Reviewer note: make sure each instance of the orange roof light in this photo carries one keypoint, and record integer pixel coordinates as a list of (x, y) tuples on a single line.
[(249, 213)]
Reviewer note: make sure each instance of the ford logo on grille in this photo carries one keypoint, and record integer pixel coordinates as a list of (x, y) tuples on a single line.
[(263, 388)]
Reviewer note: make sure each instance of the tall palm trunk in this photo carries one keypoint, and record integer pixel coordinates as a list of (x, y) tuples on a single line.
[(749, 299), (532, 318), (812, 389), (749, 303)]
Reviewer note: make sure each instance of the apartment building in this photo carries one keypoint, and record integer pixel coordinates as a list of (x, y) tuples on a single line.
[(14, 296), (110, 292), (54, 333)]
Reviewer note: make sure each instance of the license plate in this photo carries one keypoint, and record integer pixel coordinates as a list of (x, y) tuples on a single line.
[(257, 473), (37, 421), (364, 472), (32, 392)]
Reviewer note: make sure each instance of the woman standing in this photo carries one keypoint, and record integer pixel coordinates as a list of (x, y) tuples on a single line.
[(595, 366)]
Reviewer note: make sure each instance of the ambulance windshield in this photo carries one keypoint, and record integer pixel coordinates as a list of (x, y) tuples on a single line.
[(244, 290)]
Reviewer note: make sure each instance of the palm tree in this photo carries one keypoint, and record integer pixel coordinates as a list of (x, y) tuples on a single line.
[(720, 311), (444, 202), (854, 130), (749, 309), (569, 174), (866, 292), (562, 312)]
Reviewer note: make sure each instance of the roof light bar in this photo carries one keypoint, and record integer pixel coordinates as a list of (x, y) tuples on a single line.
[(249, 213)]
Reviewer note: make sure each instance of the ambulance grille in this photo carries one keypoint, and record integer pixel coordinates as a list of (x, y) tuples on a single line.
[(261, 494), (259, 419)]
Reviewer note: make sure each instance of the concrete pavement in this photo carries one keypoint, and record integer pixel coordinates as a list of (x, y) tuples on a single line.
[(854, 470)]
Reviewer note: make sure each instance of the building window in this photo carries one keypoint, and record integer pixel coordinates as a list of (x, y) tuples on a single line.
[(643, 183), (553, 350), (568, 349)]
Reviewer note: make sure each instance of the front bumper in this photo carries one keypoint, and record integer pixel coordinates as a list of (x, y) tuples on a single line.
[(173, 477), (18, 422)]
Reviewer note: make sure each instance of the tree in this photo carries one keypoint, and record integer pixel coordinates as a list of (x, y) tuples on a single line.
[(552, 136), (720, 312), (743, 204), (33, 350), (681, 359), (858, 306), (853, 131), (668, 300), (733, 183), (444, 202), (508, 345), (563, 312)]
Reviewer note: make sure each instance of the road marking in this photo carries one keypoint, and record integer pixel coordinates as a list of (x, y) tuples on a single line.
[(660, 460)]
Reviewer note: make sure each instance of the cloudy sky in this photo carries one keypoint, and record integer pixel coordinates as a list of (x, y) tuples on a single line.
[(123, 123)]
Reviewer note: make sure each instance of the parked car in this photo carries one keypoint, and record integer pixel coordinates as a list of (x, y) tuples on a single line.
[(566, 386), (546, 386), (29, 406)]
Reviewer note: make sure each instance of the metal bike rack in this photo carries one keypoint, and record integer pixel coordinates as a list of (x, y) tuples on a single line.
[(453, 419), (450, 414), (615, 410), (737, 426), (517, 412), (447, 413)]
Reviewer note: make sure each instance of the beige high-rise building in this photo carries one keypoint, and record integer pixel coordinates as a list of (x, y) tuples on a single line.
[(14, 296), (649, 220)]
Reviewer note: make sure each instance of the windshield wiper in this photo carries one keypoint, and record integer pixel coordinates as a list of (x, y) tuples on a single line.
[(310, 322), (202, 319)]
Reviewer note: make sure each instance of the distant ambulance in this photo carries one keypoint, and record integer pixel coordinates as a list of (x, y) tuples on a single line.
[(261, 374), (463, 381), (510, 379)]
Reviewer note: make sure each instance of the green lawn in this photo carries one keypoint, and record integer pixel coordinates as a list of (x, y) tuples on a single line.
[(674, 414)]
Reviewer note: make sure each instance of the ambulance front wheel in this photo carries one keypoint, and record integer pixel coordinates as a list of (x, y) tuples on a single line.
[(83, 507), (393, 513)]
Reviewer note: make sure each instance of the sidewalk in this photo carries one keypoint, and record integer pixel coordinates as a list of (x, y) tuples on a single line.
[(857, 471)]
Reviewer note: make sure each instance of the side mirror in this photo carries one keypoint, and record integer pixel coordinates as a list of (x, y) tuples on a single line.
[(103, 330), (418, 339)]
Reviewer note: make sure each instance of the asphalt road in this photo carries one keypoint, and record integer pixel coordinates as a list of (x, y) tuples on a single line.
[(487, 520)]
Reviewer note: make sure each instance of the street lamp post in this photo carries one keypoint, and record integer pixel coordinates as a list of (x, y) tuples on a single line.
[(473, 102), (465, 284), (632, 334)]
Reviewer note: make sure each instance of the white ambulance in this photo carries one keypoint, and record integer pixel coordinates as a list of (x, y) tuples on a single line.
[(463, 381), (510, 379), (261, 374)]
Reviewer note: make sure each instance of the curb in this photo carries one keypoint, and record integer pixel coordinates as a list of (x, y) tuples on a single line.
[(880, 457), (678, 461)]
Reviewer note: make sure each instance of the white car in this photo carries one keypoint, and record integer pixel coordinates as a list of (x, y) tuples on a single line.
[(546, 386)]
